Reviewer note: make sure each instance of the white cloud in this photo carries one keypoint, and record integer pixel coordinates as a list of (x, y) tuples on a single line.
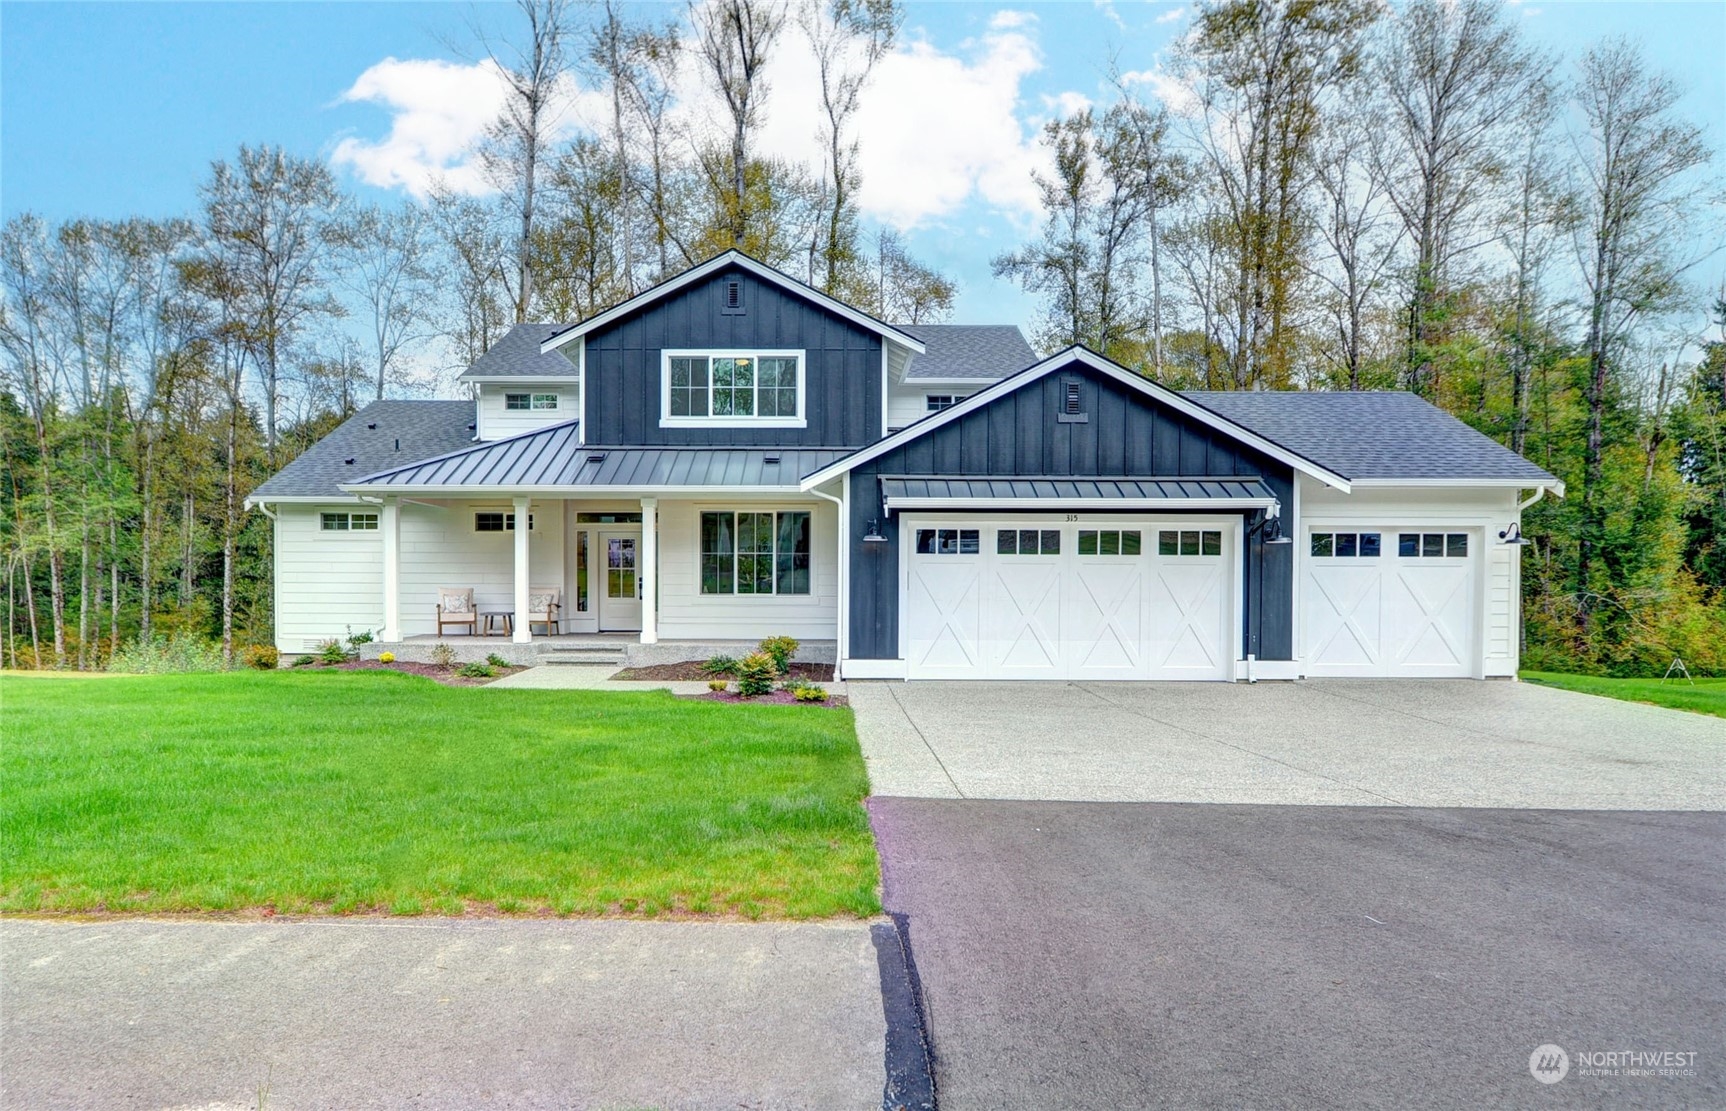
[(1107, 7), (1171, 15), (439, 111), (936, 130), (1175, 95)]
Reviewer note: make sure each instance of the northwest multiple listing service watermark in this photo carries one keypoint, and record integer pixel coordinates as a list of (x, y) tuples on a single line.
[(1550, 1064)]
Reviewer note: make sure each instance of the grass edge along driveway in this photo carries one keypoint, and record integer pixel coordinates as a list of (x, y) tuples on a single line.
[(1704, 696), (347, 792)]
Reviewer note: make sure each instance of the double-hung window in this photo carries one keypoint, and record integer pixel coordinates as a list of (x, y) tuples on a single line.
[(746, 552), (732, 388)]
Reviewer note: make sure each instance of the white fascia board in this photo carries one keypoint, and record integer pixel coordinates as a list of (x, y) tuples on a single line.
[(978, 382), (1093, 504), (1556, 486), (252, 501), (522, 379), (1096, 362), (574, 491), (713, 265)]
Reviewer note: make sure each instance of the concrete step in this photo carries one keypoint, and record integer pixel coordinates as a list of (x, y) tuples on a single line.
[(610, 656)]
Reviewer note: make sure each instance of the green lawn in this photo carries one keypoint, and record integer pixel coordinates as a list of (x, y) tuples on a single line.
[(1705, 696), (376, 791)]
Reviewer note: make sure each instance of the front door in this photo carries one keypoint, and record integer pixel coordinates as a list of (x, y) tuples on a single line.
[(620, 590)]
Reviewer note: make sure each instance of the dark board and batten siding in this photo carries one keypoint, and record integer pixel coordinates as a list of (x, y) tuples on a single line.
[(1125, 433), (842, 375)]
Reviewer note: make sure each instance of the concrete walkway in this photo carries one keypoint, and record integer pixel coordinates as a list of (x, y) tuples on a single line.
[(431, 1014), (1320, 742)]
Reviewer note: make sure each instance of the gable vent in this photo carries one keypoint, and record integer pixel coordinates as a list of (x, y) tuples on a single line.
[(731, 302), (1072, 409)]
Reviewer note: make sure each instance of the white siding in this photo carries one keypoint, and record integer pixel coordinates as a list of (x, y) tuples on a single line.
[(908, 402), (327, 583), (496, 423), (441, 549), (687, 614), (1488, 509)]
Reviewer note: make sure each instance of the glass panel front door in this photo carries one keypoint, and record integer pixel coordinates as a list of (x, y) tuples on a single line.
[(620, 604)]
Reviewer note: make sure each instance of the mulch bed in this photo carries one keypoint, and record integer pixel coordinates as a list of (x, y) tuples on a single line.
[(691, 670), (438, 672), (777, 698)]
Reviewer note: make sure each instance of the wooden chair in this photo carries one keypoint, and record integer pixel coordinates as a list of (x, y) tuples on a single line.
[(455, 608), (543, 602)]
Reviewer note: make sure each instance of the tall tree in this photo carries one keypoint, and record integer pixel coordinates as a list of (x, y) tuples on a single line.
[(1261, 71), (734, 39), (518, 143), (384, 267), (1454, 73), (272, 221), (1637, 158)]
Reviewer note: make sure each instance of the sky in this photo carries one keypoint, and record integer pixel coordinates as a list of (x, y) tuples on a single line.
[(117, 109)]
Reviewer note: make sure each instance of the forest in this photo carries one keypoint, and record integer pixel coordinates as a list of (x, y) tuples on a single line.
[(1304, 194)]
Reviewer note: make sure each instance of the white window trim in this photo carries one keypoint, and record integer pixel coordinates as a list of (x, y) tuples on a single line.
[(509, 527), (666, 420), (775, 508), (375, 530), (533, 397)]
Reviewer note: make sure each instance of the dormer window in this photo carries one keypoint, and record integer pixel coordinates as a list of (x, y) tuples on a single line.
[(732, 388)]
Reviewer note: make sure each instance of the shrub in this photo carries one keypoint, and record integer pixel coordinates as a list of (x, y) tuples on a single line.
[(475, 670), (386, 657), (162, 655), (304, 661), (810, 693), (717, 685), (332, 652), (781, 649), (719, 665), (795, 685), (442, 654), (496, 660), (755, 674), (364, 636), (264, 657)]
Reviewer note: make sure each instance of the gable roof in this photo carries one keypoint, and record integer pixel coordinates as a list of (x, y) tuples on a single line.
[(518, 355), (1379, 436), (712, 266), (957, 351), (370, 438), (554, 458), (1059, 361)]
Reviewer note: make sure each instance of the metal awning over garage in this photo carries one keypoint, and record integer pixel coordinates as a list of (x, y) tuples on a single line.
[(1052, 493)]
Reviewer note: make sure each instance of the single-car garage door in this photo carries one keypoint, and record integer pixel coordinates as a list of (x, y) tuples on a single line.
[(1389, 602), (1029, 600)]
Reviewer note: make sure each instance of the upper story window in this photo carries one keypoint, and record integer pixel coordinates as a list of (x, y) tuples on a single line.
[(935, 402), (737, 388), (529, 401)]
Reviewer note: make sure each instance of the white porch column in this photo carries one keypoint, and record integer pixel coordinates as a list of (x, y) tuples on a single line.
[(523, 507), (649, 570), (392, 630)]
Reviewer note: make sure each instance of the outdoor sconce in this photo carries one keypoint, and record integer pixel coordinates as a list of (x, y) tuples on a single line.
[(873, 536), (1513, 535)]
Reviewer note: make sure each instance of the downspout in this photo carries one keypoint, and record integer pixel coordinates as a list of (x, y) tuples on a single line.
[(1539, 492), (844, 577)]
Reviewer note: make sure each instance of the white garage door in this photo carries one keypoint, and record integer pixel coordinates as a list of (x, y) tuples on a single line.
[(1389, 601), (1116, 600)]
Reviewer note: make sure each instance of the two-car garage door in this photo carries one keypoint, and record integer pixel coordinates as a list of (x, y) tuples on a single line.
[(1390, 601), (1013, 599)]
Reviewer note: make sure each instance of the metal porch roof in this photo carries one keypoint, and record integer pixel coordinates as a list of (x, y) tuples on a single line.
[(1052, 492)]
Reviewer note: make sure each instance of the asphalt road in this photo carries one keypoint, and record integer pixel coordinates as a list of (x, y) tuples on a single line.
[(1121, 955)]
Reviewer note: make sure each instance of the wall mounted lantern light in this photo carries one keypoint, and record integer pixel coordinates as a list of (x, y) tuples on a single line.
[(1513, 535)]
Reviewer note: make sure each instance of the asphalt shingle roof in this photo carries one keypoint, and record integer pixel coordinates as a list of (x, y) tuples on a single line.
[(517, 355), (370, 438), (967, 350), (554, 457), (1386, 434)]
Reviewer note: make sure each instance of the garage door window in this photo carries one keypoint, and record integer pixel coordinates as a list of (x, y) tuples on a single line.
[(1347, 545), (1027, 541), (947, 541), (1190, 542), (1432, 545), (1109, 542)]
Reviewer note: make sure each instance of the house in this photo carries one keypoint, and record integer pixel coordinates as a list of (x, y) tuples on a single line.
[(733, 454)]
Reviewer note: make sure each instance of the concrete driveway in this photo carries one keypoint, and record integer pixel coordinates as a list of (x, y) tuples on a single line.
[(1327, 742)]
